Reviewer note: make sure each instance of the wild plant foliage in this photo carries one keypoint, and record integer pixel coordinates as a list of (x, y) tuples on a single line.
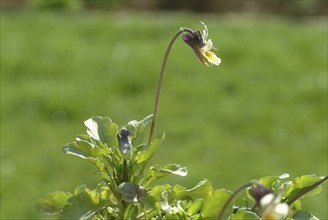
[(127, 186)]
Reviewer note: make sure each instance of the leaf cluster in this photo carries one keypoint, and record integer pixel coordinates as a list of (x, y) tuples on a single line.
[(127, 188)]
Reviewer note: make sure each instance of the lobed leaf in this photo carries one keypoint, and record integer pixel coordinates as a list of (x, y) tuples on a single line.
[(214, 202), (137, 129), (268, 181), (52, 203), (200, 190), (157, 191), (156, 172), (84, 205), (300, 184), (144, 156), (102, 129), (82, 149)]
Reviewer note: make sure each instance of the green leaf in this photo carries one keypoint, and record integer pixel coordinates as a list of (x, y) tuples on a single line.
[(156, 172), (84, 206), (52, 203), (269, 181), (103, 190), (102, 129), (149, 201), (214, 202), (295, 206), (242, 214), (302, 184), (144, 156), (195, 207), (80, 189), (304, 215), (157, 191), (200, 190), (137, 129), (131, 192), (131, 212), (82, 149)]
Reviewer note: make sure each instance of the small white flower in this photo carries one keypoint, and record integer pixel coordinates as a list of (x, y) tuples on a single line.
[(271, 208)]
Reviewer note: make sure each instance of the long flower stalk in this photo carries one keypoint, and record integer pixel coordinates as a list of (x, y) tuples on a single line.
[(203, 50), (160, 82)]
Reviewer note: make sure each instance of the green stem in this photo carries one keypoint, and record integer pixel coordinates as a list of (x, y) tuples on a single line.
[(306, 190), (233, 195), (160, 82), (125, 171)]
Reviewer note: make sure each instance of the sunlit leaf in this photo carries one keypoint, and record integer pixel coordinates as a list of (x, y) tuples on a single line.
[(201, 189), (102, 129), (302, 184), (137, 129), (84, 206), (195, 206), (214, 202), (52, 203), (80, 189), (157, 191), (103, 190), (147, 154), (82, 149), (242, 214), (268, 181), (156, 172), (164, 203)]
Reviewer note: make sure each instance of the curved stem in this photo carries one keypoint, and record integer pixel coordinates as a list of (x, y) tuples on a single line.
[(160, 82), (233, 195)]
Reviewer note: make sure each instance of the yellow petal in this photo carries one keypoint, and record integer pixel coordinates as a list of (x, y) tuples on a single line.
[(212, 58)]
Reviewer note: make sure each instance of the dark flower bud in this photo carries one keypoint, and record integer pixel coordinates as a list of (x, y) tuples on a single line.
[(124, 142), (258, 192)]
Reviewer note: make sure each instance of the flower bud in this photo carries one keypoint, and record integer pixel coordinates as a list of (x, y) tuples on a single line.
[(258, 192), (124, 142)]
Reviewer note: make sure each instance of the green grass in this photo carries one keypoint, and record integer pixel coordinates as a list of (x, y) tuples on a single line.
[(263, 111)]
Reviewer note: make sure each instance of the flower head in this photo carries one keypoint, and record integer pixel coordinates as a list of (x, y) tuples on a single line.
[(269, 203), (272, 209), (201, 46)]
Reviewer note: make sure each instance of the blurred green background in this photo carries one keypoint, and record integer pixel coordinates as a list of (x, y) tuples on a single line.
[(262, 112)]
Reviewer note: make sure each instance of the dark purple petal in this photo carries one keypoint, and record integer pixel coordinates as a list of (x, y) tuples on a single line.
[(193, 39), (258, 192)]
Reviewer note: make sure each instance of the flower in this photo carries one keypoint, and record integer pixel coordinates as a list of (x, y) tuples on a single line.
[(258, 192), (201, 46), (271, 208)]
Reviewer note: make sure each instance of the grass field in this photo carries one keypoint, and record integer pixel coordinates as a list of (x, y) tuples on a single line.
[(263, 111)]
